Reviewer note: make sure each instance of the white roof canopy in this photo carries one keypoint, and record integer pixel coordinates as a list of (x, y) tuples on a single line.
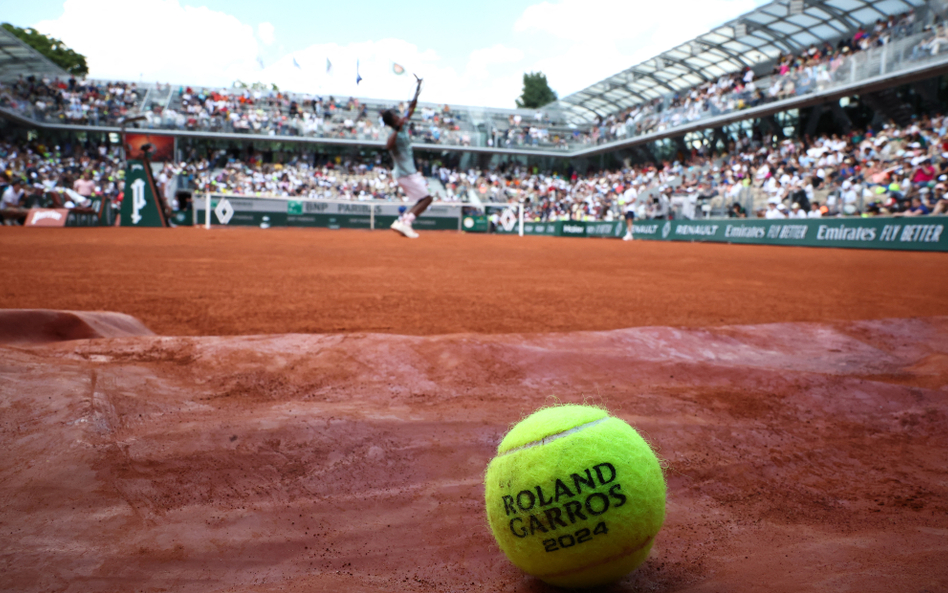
[(757, 37)]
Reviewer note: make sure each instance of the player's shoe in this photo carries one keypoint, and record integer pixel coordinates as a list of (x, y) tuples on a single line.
[(405, 229), (627, 237)]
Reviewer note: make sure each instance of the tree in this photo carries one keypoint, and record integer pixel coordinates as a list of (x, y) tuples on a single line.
[(536, 91), (54, 49)]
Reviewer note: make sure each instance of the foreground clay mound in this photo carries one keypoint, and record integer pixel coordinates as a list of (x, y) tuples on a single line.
[(800, 457), (41, 326)]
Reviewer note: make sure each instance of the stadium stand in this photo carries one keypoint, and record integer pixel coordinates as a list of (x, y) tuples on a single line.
[(895, 170), (36, 175), (768, 59), (817, 68)]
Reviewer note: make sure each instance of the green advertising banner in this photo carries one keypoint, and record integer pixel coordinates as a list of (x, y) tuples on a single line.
[(610, 229), (277, 212), (475, 223), (568, 228), (140, 207), (916, 234), (181, 218), (536, 228)]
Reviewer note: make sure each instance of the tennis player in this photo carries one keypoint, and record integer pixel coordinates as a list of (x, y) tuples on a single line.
[(410, 180)]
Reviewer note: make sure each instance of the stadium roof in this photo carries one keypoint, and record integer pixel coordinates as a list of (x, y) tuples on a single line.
[(757, 37), (18, 58)]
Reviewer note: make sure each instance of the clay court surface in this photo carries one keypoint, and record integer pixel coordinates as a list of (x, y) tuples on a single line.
[(317, 408)]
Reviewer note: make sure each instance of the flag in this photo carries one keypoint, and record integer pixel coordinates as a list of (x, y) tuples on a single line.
[(260, 61), (297, 64), (358, 76), (328, 66), (398, 69)]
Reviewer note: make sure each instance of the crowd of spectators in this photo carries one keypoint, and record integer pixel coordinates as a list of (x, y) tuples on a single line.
[(864, 173), (34, 174), (337, 179), (249, 111), (72, 101), (275, 113), (891, 171)]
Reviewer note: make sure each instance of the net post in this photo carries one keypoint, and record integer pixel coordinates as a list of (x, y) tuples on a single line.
[(520, 216), (372, 216), (207, 211)]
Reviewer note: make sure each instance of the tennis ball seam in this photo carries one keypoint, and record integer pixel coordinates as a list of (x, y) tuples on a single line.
[(550, 438)]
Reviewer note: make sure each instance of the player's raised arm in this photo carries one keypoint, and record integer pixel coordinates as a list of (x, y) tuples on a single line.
[(414, 100)]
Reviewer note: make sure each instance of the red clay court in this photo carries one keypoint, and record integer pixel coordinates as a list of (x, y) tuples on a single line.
[(315, 415), (189, 282)]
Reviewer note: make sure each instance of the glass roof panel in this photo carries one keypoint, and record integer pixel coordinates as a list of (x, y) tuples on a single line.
[(892, 6), (803, 20), (846, 5), (806, 38), (770, 32), (785, 27), (824, 32), (18, 58), (866, 15), (757, 17), (818, 13)]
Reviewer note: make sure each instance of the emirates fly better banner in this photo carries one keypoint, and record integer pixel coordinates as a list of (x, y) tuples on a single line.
[(916, 234), (925, 233)]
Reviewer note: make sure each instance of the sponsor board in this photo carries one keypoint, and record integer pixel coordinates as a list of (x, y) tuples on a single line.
[(539, 228), (605, 229), (140, 206), (50, 217), (475, 223), (162, 147), (296, 207), (275, 212), (650, 229), (573, 228), (61, 217), (925, 234)]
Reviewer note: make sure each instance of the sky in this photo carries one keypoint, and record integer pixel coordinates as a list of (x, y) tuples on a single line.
[(468, 53)]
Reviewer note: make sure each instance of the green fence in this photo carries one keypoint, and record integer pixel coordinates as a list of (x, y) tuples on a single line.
[(915, 234)]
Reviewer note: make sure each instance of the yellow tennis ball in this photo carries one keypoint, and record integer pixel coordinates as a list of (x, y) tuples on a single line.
[(574, 496)]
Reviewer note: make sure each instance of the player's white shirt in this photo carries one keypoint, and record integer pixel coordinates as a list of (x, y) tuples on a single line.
[(630, 196)]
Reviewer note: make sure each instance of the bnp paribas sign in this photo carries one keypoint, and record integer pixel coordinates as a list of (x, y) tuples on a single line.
[(141, 206)]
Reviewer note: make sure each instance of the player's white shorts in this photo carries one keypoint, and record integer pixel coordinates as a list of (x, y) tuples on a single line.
[(414, 185)]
